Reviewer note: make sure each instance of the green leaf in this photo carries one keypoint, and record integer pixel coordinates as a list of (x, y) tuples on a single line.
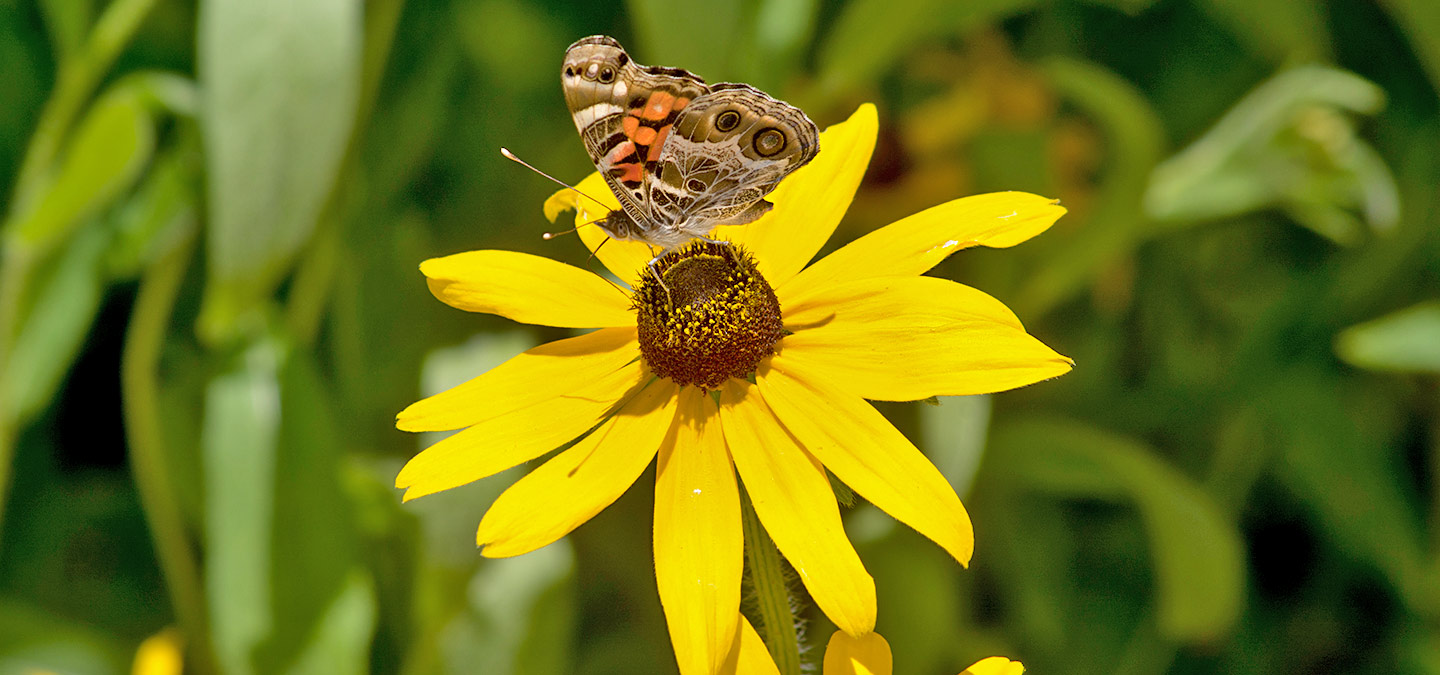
[(103, 158), (1135, 136), (1348, 477), (315, 544), (1197, 551), (279, 86), (67, 298), (702, 37), (521, 616), (1283, 30), (954, 433), (1407, 341), (68, 22), (33, 640), (340, 643), (282, 549), (1288, 144), (163, 212), (872, 36), (240, 446)]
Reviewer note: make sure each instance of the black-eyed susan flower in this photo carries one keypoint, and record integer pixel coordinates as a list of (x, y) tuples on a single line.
[(742, 361)]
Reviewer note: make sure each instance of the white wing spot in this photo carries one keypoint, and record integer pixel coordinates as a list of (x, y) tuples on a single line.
[(697, 491)]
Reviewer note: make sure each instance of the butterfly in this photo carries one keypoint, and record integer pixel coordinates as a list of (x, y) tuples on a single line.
[(681, 156)]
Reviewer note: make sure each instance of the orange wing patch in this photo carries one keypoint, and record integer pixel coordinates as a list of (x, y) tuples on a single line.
[(654, 152), (659, 105)]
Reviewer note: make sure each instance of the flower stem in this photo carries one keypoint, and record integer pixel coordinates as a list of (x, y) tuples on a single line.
[(140, 388), (763, 563)]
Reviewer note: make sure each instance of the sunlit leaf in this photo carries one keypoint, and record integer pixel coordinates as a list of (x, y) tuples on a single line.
[(280, 81), (108, 151), (67, 300), (240, 444), (954, 435), (1288, 144), (1405, 341)]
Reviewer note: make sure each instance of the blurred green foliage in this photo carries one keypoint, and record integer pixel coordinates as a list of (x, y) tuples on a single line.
[(210, 312)]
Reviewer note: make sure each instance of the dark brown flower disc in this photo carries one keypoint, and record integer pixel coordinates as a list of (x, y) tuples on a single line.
[(709, 316)]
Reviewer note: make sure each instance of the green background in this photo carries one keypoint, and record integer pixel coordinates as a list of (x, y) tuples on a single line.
[(210, 312)]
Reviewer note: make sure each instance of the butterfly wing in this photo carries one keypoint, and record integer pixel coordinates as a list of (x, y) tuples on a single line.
[(624, 111), (728, 149)]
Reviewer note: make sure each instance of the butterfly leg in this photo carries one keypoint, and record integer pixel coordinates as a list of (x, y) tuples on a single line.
[(655, 272)]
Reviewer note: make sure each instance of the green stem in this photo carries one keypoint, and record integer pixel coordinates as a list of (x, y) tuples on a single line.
[(766, 568), (140, 388), (74, 84)]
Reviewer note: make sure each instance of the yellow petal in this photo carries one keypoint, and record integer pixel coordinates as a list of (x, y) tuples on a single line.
[(161, 654), (868, 654), (995, 665), (498, 443), (546, 372), (810, 202), (749, 656), (527, 288), (915, 244), (793, 498), (926, 302), (920, 338), (625, 258), (573, 486), (698, 542), (862, 449)]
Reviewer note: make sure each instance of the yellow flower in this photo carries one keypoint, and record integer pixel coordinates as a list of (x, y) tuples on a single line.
[(870, 655), (867, 654), (160, 654), (860, 324)]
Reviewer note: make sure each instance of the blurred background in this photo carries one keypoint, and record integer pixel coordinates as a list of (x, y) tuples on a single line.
[(210, 312)]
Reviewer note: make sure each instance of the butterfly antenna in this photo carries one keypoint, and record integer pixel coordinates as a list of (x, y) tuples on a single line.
[(551, 235), (511, 156)]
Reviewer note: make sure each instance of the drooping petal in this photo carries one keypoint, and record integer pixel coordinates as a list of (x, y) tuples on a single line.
[(749, 656), (546, 372), (868, 654), (918, 338), (624, 257), (698, 540), (862, 449), (573, 486), (810, 202), (515, 437), (995, 665), (526, 288), (915, 244), (793, 498)]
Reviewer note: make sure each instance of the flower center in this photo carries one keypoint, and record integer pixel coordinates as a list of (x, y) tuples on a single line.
[(714, 317)]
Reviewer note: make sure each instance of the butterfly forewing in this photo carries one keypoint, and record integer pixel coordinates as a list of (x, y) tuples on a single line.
[(680, 156)]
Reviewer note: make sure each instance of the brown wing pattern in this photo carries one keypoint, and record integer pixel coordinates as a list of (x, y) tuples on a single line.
[(680, 156), (624, 112), (729, 148)]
